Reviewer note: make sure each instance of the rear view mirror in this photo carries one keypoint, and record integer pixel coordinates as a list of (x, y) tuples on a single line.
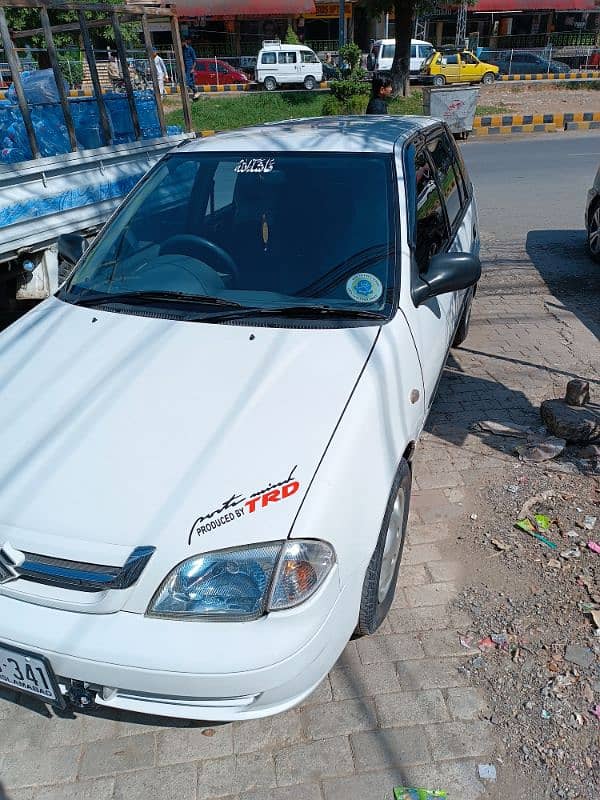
[(447, 272), (71, 246)]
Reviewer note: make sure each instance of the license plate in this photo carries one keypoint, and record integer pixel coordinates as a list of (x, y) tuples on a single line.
[(29, 673)]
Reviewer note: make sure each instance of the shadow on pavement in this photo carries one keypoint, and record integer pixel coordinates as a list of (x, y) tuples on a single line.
[(561, 258)]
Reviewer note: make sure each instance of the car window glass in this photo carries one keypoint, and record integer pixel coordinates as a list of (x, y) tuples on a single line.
[(425, 50), (413, 51), (286, 58), (258, 210), (467, 58), (309, 58), (450, 59), (201, 67), (431, 222), (388, 50), (222, 69), (443, 158), (268, 58)]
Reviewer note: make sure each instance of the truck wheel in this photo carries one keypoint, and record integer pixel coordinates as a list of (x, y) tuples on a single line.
[(439, 80), (270, 84), (488, 78), (380, 579), (309, 83)]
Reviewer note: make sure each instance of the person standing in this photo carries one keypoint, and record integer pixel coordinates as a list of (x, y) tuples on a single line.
[(189, 59), (161, 71), (381, 89)]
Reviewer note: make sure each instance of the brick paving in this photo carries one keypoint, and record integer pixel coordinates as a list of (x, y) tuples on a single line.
[(396, 708)]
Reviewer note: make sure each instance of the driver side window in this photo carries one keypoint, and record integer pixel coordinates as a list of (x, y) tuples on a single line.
[(432, 232)]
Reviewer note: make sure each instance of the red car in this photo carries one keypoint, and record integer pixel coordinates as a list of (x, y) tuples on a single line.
[(213, 72)]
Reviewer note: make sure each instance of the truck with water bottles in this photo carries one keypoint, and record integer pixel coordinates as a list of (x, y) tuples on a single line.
[(68, 160)]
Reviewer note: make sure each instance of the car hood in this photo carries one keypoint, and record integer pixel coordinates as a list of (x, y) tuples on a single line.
[(120, 431)]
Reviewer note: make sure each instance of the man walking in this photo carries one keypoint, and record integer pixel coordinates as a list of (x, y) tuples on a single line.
[(189, 59), (161, 71)]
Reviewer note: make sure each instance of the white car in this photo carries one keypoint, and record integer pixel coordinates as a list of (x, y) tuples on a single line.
[(207, 433), (287, 64), (383, 50)]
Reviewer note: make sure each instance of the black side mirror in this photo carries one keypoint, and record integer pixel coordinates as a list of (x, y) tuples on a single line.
[(71, 246), (447, 272)]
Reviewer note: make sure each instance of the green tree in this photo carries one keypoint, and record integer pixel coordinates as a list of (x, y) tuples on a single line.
[(291, 36), (404, 11)]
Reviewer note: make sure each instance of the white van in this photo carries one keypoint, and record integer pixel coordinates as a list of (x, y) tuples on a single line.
[(382, 54), (279, 64)]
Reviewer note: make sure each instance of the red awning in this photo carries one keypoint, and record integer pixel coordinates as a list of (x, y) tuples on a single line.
[(535, 5), (243, 8)]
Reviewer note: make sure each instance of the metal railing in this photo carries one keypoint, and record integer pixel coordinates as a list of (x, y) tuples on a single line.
[(536, 40), (550, 59)]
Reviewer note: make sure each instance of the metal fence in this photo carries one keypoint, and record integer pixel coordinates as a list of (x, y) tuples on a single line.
[(550, 60)]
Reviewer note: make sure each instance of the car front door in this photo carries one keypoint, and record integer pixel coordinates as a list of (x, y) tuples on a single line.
[(470, 69), (451, 68), (442, 218)]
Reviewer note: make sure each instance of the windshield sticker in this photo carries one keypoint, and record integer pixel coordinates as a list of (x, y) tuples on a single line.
[(239, 505), (364, 287), (255, 165)]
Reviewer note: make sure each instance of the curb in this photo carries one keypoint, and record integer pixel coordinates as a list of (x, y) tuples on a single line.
[(561, 119), (524, 128), (543, 76), (582, 126)]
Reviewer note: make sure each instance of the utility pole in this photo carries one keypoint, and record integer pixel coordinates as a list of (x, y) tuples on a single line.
[(461, 25)]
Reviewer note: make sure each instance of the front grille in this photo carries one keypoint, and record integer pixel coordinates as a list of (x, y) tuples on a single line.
[(82, 576)]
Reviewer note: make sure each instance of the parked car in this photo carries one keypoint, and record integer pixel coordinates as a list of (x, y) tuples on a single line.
[(213, 72), (457, 67), (522, 63), (592, 219), (233, 397), (382, 53), (281, 64)]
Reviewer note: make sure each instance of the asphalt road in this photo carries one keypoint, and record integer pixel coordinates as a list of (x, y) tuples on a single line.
[(531, 193)]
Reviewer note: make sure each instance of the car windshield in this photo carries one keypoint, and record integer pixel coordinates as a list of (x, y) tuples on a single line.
[(261, 231), (388, 50)]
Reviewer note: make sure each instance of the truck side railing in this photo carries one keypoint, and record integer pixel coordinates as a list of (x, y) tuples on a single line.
[(112, 17)]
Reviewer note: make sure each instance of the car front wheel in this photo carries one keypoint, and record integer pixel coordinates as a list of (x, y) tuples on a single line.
[(488, 78), (309, 83), (593, 236), (270, 84), (380, 579)]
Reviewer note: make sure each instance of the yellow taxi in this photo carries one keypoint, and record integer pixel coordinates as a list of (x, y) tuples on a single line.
[(457, 67)]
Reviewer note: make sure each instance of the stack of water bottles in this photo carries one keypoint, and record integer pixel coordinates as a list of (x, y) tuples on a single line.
[(49, 125)]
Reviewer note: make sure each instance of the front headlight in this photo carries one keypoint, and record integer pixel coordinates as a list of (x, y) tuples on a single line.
[(246, 582)]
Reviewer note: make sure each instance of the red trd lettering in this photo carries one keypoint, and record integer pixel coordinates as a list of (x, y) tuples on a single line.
[(270, 497), (289, 489), (252, 504)]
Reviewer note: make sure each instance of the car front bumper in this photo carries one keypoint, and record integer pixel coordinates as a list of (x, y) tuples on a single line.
[(192, 670)]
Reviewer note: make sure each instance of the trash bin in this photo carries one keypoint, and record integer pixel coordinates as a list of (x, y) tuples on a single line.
[(456, 105)]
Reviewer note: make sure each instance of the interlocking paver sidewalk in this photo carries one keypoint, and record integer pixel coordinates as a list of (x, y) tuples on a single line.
[(396, 708)]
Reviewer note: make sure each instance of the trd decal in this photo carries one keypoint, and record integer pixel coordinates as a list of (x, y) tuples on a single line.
[(238, 505)]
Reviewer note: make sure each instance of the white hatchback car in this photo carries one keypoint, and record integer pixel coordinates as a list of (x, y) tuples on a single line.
[(207, 433)]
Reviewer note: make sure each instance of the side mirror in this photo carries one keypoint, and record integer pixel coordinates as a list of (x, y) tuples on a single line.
[(447, 272), (71, 246), (370, 62)]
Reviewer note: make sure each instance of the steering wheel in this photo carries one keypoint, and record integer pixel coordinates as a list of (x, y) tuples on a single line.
[(187, 244)]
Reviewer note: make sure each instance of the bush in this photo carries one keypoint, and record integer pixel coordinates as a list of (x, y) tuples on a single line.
[(350, 87), (351, 54), (291, 36), (355, 104)]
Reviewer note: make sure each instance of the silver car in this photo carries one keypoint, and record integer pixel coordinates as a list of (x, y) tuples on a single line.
[(592, 219)]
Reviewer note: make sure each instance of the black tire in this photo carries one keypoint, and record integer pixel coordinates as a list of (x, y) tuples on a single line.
[(373, 610), (593, 233), (463, 326), (439, 80), (488, 78), (270, 84), (309, 83)]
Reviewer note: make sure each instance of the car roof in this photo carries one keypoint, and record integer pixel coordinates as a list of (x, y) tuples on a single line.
[(352, 134), (284, 46), (393, 41)]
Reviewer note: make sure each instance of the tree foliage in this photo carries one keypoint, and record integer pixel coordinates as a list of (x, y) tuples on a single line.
[(291, 37)]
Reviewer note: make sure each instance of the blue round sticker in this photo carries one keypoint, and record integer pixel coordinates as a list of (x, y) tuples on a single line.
[(364, 287)]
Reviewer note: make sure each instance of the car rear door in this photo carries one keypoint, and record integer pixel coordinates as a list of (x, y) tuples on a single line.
[(287, 61), (450, 67), (442, 217)]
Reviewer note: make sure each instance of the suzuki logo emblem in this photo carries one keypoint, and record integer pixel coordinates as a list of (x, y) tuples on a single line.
[(10, 560)]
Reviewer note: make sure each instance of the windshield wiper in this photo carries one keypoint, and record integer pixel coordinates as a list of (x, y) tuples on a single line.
[(305, 311), (153, 296)]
